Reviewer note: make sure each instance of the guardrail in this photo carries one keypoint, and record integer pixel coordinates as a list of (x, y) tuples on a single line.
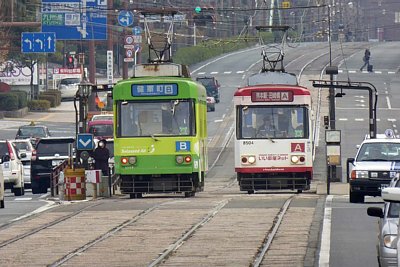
[(55, 175)]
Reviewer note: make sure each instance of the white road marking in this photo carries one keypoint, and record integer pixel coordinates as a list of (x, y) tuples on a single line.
[(23, 198), (391, 72), (352, 71), (343, 119), (227, 72), (201, 73), (214, 72), (378, 71), (388, 103), (240, 71), (326, 234), (359, 119), (392, 120), (218, 120), (44, 196), (49, 205)]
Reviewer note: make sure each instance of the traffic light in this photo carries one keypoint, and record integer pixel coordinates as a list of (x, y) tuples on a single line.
[(70, 61), (197, 9)]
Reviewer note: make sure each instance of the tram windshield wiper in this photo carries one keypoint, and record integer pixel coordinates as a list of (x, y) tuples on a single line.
[(154, 137)]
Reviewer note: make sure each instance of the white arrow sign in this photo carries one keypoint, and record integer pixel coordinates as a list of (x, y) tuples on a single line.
[(40, 42), (28, 42), (85, 144)]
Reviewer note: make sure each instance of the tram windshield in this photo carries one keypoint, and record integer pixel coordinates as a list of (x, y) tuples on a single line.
[(284, 122), (161, 118)]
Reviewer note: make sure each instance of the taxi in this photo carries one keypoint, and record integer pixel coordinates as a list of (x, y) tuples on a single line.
[(376, 163)]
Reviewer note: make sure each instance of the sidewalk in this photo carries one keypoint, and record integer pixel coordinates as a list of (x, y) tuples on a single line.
[(63, 113), (335, 188)]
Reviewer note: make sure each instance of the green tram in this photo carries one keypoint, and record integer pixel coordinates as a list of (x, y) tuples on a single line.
[(160, 137)]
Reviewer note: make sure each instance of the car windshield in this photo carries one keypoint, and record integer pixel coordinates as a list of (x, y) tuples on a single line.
[(102, 117), (382, 151), (101, 130), (22, 146), (68, 81), (31, 131), (53, 147)]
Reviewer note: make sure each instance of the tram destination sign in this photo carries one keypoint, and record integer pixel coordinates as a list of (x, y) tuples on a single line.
[(154, 89), (272, 96)]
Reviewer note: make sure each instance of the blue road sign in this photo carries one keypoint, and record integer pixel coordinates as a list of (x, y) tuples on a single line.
[(85, 141), (38, 42), (137, 30), (137, 47), (125, 18), (71, 20)]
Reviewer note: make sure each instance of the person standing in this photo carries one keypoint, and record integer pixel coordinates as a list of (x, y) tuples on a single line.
[(101, 155), (367, 56)]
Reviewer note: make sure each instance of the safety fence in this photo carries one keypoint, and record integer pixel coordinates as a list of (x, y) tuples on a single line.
[(55, 177)]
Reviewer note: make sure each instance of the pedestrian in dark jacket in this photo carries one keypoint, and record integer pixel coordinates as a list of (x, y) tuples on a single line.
[(367, 56), (101, 155)]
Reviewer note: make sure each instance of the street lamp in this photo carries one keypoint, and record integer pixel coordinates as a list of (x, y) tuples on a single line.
[(84, 91)]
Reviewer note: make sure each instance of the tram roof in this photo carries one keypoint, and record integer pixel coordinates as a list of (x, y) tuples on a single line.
[(297, 90)]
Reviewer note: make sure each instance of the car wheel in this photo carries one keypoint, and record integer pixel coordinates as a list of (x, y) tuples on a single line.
[(35, 187), (19, 191), (2, 204)]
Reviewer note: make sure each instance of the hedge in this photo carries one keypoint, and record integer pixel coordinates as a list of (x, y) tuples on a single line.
[(22, 98), (39, 105), (52, 99), (8, 101)]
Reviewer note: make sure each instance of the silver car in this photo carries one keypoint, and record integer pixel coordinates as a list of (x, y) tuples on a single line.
[(388, 224)]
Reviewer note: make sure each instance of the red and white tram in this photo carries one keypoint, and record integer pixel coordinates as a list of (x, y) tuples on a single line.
[(273, 142)]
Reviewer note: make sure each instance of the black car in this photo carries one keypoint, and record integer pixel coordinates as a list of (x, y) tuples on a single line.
[(49, 152), (32, 132), (212, 86)]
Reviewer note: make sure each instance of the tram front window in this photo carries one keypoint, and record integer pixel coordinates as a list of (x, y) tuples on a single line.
[(163, 118), (273, 122)]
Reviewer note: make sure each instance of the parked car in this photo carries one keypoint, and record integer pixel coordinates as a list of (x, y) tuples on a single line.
[(32, 132), (387, 230), (101, 129), (25, 146), (210, 103), (373, 167), (69, 87), (12, 167), (102, 117), (2, 205), (212, 86), (49, 152)]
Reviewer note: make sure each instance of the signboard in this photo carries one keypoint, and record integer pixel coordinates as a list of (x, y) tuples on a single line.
[(129, 59), (137, 30), (272, 96), (67, 71), (110, 67), (285, 4), (17, 75), (75, 19), (85, 141), (154, 89), (125, 18), (38, 42)]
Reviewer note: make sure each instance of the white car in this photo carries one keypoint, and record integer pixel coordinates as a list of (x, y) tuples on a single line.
[(12, 167), (25, 146), (1, 189), (102, 117), (392, 194), (373, 168), (69, 87)]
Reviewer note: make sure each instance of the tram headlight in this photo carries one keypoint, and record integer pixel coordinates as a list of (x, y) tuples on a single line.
[(132, 160), (179, 159), (248, 159), (252, 159), (297, 159), (128, 160), (294, 159)]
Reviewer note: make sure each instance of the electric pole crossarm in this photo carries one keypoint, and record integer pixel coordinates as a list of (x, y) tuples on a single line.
[(356, 86)]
